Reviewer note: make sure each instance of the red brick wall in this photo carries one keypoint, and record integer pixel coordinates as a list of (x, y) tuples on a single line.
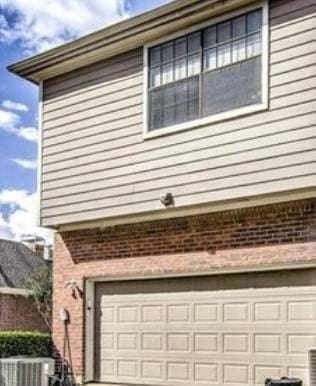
[(18, 313), (246, 238)]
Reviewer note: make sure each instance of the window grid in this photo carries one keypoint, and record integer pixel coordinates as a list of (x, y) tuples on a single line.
[(166, 56), (202, 49), (231, 42), (173, 61)]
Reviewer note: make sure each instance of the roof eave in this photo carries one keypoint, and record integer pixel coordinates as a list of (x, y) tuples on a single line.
[(117, 38)]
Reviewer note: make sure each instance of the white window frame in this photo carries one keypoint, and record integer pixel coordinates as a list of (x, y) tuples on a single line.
[(264, 105)]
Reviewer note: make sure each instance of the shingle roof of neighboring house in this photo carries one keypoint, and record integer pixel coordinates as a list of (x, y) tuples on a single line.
[(17, 264)]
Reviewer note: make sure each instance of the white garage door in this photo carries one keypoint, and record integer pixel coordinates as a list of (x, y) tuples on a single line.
[(223, 330)]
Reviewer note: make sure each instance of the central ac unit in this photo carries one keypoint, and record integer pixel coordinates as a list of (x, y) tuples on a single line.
[(26, 371), (312, 366)]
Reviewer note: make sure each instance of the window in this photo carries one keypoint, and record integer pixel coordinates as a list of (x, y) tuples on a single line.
[(214, 70)]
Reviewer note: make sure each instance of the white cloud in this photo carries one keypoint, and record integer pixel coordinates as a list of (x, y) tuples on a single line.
[(8, 120), (39, 25), (28, 133), (11, 122), (21, 219), (25, 163), (10, 105)]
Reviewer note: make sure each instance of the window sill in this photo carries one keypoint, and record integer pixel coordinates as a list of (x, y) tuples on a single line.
[(205, 121)]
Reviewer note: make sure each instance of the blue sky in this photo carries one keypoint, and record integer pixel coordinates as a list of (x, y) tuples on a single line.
[(26, 28)]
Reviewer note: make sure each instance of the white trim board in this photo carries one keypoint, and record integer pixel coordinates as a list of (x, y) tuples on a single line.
[(245, 202), (219, 117), (39, 153), (89, 330), (213, 272)]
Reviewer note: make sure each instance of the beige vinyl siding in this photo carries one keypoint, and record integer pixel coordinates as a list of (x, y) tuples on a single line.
[(96, 163), (222, 154), (105, 71), (194, 175), (271, 122)]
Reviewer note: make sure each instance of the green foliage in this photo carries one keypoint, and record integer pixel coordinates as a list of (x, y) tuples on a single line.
[(41, 288), (33, 344)]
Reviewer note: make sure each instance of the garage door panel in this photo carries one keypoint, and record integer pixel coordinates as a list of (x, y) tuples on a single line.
[(206, 312), (152, 313), (301, 310), (205, 343), (206, 372), (107, 369), (128, 314), (299, 372), (299, 343), (216, 337), (236, 373), (267, 311), (127, 368), (152, 342), (236, 312), (261, 372), (235, 343), (152, 370)]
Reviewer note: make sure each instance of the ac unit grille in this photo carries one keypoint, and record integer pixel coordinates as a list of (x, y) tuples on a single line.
[(30, 372), (312, 366), (26, 372)]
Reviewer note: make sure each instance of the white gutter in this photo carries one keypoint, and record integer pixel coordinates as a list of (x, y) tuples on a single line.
[(14, 291)]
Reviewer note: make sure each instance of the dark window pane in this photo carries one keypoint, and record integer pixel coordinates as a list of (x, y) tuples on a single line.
[(209, 37), (239, 50), (156, 99), (168, 116), (231, 87), (155, 77), (181, 112), (194, 109), (179, 103), (168, 96), (156, 119), (210, 59), (224, 32), (239, 26), (194, 42), (180, 47), (254, 45), (155, 56), (181, 92), (167, 73), (194, 64), (167, 52), (180, 68), (224, 55), (254, 21), (194, 88)]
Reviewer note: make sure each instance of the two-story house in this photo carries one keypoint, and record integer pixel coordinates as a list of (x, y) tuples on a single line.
[(178, 168)]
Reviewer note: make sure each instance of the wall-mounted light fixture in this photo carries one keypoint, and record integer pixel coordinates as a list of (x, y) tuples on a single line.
[(74, 287), (167, 199)]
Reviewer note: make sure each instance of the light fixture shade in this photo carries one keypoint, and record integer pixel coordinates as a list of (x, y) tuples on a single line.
[(167, 199)]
